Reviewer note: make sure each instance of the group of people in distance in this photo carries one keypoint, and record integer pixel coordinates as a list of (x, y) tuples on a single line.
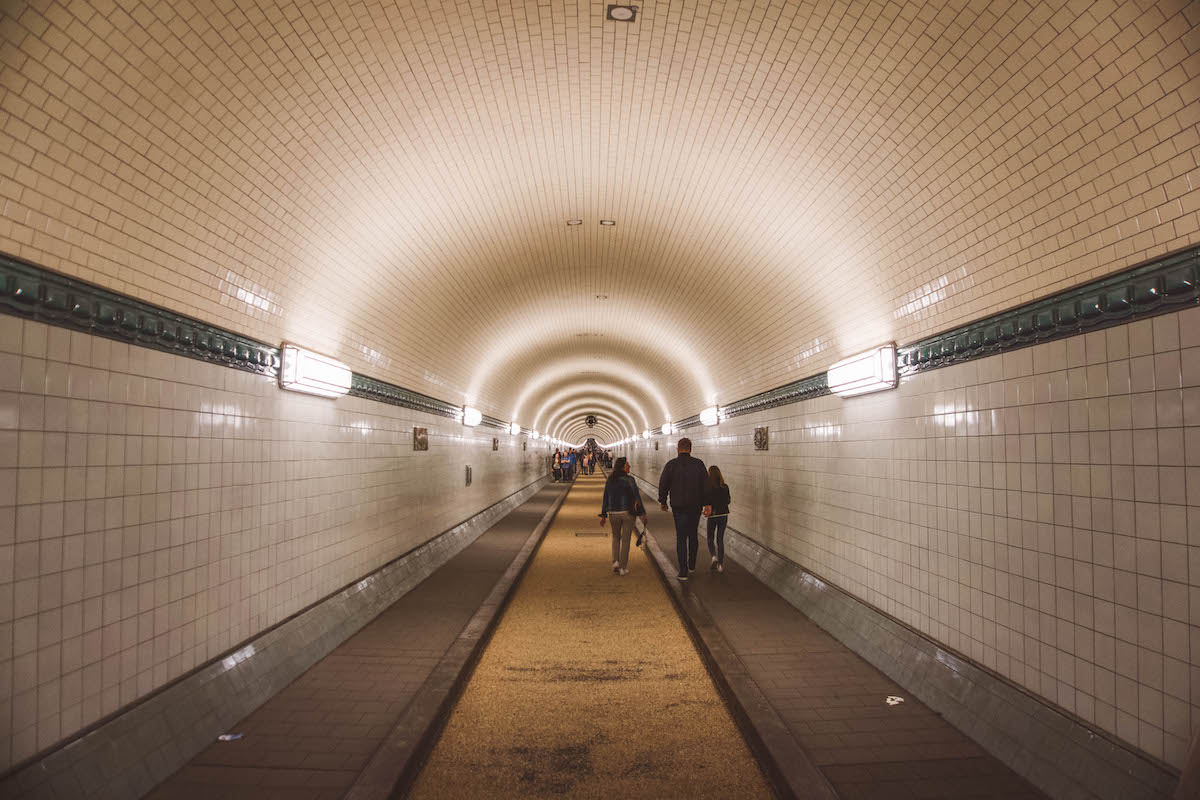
[(691, 490), (584, 459)]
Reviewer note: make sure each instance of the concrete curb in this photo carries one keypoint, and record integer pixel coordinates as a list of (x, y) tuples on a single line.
[(398, 761), (786, 764)]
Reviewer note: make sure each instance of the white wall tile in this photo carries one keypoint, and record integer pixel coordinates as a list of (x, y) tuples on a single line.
[(1080, 533), (143, 534)]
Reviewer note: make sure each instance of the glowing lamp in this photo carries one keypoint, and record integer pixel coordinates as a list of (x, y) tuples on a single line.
[(305, 371), (667, 429), (709, 416), (872, 371), (472, 416), (514, 429)]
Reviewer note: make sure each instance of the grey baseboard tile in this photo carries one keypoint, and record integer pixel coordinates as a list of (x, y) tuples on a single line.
[(1058, 754), (132, 753)]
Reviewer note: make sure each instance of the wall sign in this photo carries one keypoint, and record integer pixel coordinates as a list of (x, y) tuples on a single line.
[(761, 438), (495, 443), (420, 438)]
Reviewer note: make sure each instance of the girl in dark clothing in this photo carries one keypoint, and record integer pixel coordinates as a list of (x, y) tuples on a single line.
[(622, 503), (718, 498)]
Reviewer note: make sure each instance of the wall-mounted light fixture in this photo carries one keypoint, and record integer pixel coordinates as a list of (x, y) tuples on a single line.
[(472, 416), (646, 434), (667, 429), (305, 371), (514, 429), (710, 416), (533, 435), (872, 371)]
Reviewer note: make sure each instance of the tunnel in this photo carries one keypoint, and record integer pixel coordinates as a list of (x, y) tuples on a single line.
[(572, 398)]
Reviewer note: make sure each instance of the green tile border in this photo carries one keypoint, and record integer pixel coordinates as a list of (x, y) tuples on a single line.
[(1160, 286), (33, 292), (30, 291), (1155, 287), (383, 392)]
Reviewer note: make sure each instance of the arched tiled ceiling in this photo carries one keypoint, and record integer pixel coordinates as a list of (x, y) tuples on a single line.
[(563, 372), (616, 386), (570, 416), (791, 181)]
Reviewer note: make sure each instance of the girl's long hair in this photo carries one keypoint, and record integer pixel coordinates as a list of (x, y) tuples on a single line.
[(714, 476), (618, 468)]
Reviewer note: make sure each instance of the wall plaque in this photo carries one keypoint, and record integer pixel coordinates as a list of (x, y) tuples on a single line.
[(760, 438), (495, 443), (420, 438)]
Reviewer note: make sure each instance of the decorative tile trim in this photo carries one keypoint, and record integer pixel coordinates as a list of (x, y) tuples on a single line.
[(33, 292), (1156, 287), (390, 393), (29, 291), (794, 392)]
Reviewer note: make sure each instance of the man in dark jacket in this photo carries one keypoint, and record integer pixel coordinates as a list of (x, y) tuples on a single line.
[(685, 480)]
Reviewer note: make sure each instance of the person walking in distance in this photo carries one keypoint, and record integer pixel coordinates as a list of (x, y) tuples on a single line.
[(718, 517), (622, 502), (685, 482)]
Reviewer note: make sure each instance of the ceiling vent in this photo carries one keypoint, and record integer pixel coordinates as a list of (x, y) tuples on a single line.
[(622, 13)]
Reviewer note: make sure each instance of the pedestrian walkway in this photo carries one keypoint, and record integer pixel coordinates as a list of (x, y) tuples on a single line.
[(590, 688), (312, 739), (833, 702)]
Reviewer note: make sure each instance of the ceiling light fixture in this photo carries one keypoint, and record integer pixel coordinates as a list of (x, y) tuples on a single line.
[(514, 429), (872, 371), (646, 434), (600, 297), (622, 13), (667, 429), (710, 416), (574, 222), (472, 416), (608, 223)]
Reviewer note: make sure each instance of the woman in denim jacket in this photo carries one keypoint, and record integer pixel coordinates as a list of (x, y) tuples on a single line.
[(622, 503)]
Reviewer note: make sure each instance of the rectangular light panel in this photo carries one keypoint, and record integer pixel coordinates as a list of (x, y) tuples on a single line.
[(312, 373), (872, 371)]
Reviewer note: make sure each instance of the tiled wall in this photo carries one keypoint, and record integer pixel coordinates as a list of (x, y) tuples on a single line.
[(155, 511), (1038, 511)]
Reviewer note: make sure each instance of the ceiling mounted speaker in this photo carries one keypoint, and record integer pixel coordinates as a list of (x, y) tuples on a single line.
[(622, 13)]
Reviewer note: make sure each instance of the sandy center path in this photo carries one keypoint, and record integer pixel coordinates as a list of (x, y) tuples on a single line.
[(590, 688)]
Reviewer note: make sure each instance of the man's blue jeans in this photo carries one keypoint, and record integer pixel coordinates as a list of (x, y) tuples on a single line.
[(687, 539)]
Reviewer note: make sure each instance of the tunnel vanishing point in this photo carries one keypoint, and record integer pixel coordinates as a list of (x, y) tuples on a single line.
[(310, 313)]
